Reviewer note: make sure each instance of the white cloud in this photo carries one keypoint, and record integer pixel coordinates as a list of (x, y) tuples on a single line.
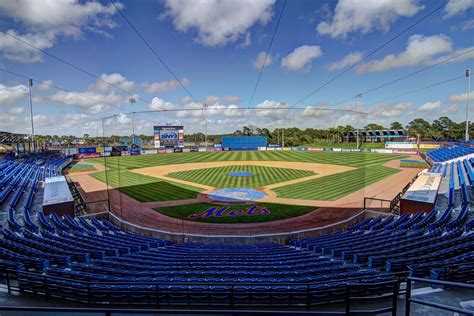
[(115, 79), (231, 99), (44, 22), (301, 57), (260, 59), (455, 7), (390, 110), (419, 50), (91, 101), (365, 16), (429, 106), (349, 60), (219, 22), (270, 108), (211, 99), (247, 41), (463, 53), (160, 104), (12, 94), (45, 85), (16, 110), (460, 98), (164, 86)]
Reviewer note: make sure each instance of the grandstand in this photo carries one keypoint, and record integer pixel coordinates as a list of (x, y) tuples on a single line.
[(91, 261)]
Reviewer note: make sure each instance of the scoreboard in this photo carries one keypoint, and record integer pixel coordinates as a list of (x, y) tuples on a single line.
[(168, 136)]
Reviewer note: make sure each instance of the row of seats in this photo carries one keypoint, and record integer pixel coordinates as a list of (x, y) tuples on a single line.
[(449, 152)]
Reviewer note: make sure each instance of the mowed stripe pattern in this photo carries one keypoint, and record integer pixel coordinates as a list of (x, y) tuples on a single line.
[(336, 186), (351, 159), (147, 189), (262, 176)]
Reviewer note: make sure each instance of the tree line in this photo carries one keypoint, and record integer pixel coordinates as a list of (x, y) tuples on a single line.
[(442, 128)]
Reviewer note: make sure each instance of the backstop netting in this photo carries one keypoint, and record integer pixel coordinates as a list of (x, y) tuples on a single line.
[(198, 169)]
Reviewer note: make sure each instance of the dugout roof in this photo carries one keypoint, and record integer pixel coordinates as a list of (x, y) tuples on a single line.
[(11, 138)]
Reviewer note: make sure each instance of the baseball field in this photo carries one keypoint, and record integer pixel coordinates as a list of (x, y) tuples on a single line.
[(177, 184)]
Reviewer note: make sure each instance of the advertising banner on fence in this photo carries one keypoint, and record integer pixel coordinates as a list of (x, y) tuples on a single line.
[(400, 145), (162, 151), (99, 150), (105, 154), (405, 151), (202, 149), (262, 148), (149, 151), (91, 155), (429, 146), (87, 150), (383, 151), (186, 150), (125, 153), (270, 148)]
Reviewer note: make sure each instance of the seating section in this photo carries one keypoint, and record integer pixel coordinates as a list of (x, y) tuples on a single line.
[(449, 152), (83, 259), (20, 179)]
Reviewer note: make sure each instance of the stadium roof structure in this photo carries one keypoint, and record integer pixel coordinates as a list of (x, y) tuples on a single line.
[(399, 133), (11, 138)]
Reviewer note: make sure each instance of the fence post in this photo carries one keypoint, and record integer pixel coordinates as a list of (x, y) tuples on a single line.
[(45, 282), (395, 299), (348, 300), (157, 291), (89, 295), (308, 299), (408, 298), (7, 274)]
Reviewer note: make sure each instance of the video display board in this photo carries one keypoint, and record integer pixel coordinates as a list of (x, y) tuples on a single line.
[(168, 136)]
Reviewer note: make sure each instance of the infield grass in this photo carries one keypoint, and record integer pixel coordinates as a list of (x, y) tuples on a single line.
[(335, 186), (261, 176), (277, 212)]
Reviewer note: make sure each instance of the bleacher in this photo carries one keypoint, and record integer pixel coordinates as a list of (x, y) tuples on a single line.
[(20, 179), (449, 152), (91, 261)]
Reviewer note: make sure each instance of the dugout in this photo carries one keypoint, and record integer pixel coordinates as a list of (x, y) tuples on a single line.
[(57, 197), (422, 194)]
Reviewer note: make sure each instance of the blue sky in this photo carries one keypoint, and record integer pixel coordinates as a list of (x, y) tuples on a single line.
[(214, 46)]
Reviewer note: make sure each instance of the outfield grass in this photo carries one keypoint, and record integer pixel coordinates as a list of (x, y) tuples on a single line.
[(277, 212), (147, 189), (351, 159), (262, 176), (335, 186)]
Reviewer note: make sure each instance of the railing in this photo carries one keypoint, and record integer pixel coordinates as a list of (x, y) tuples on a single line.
[(384, 204), (410, 300), (304, 297)]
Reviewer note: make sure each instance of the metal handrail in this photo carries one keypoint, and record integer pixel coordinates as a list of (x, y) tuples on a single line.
[(409, 299)]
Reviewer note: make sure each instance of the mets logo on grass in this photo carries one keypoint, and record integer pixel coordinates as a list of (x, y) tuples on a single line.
[(225, 212)]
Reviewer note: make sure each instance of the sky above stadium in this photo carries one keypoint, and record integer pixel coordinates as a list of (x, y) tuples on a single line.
[(216, 50)]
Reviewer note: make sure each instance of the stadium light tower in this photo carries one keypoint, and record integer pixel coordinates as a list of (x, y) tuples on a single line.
[(30, 84), (132, 102), (204, 108), (468, 75), (359, 96)]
